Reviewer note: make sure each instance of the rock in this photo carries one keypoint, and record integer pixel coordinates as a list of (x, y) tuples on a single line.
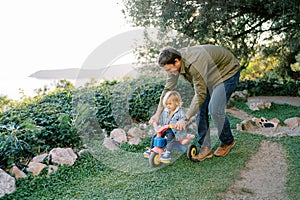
[(264, 123), (240, 94), (258, 105), (292, 122), (276, 121), (239, 127), (151, 132), (62, 156), (245, 125), (135, 132), (118, 135), (134, 141), (39, 158), (83, 151), (143, 126), (52, 169), (7, 183), (17, 172), (36, 168), (110, 144)]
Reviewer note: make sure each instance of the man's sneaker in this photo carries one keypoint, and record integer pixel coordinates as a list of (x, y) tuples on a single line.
[(166, 157), (204, 153), (147, 153), (223, 149)]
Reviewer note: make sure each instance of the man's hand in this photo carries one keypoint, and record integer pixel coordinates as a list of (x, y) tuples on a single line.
[(181, 125)]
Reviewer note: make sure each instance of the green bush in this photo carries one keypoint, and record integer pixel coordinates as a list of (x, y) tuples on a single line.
[(134, 99), (272, 87), (37, 126), (142, 99), (15, 145), (104, 114), (64, 117)]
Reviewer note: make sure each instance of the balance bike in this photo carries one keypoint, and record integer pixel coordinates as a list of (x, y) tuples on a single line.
[(159, 144)]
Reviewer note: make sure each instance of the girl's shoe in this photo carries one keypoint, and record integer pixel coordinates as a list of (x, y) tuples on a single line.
[(147, 153), (166, 157)]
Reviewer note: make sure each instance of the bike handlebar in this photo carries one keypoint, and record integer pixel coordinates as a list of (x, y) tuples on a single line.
[(164, 128)]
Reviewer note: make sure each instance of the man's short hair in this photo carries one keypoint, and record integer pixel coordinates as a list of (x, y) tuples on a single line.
[(168, 56)]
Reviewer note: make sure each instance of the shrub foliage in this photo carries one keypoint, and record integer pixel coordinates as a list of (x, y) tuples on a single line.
[(66, 116), (271, 87)]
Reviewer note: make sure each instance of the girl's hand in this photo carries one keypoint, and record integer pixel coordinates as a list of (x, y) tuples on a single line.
[(154, 119), (156, 127), (181, 125)]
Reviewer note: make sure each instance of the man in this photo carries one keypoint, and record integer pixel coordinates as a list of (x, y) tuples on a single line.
[(214, 73)]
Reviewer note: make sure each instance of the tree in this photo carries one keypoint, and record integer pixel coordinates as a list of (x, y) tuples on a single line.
[(243, 26), (5, 103)]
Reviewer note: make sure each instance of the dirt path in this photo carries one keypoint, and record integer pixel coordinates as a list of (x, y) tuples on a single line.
[(233, 111), (295, 101), (264, 176)]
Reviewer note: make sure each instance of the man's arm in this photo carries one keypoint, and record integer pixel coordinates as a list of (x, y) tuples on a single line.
[(200, 87)]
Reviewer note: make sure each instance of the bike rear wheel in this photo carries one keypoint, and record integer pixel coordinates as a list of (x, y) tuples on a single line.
[(191, 151)]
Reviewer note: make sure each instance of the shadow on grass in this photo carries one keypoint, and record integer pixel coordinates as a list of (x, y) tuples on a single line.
[(102, 178)]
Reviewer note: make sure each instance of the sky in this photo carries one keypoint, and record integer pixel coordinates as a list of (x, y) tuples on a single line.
[(51, 34)]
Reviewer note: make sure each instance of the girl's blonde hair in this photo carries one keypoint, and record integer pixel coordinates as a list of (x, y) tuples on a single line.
[(175, 97)]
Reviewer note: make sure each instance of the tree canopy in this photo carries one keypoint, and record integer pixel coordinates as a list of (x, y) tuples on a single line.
[(246, 27)]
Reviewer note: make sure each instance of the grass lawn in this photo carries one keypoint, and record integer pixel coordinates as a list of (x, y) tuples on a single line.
[(93, 179), (292, 149), (123, 175)]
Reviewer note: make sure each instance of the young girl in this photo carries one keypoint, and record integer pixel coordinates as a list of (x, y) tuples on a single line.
[(171, 114)]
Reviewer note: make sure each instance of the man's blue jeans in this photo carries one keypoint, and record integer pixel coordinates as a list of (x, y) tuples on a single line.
[(215, 105)]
